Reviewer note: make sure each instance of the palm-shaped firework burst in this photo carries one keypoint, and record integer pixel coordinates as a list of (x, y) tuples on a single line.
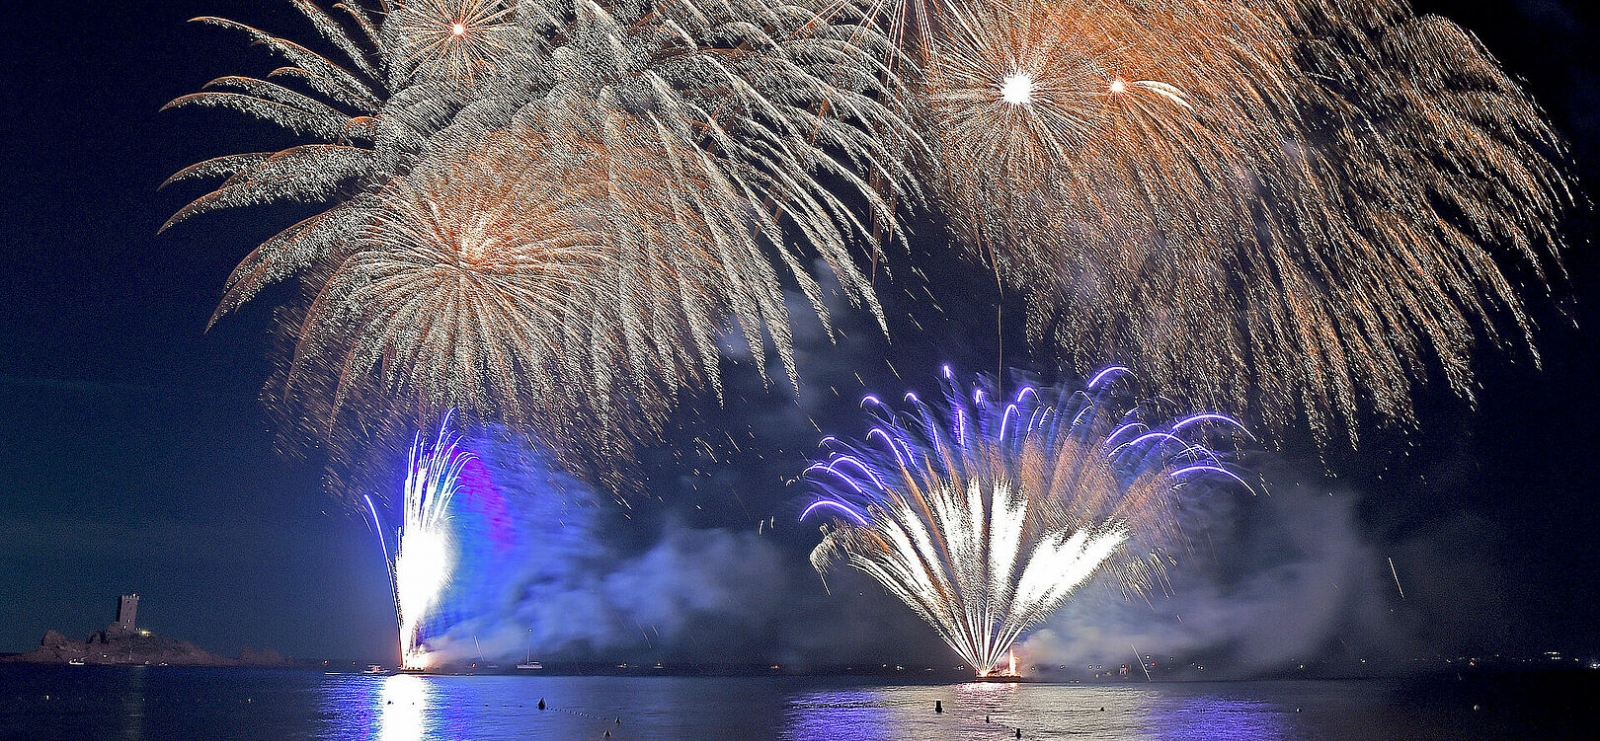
[(420, 566), (1288, 206), (986, 515), (544, 212)]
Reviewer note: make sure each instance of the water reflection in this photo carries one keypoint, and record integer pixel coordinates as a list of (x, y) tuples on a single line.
[(991, 711), (978, 710), (841, 715), (403, 708), (179, 704), (487, 708), (133, 704), (1219, 718), (441, 708)]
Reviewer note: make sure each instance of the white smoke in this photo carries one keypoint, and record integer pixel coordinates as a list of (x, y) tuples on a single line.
[(689, 593), (1279, 582)]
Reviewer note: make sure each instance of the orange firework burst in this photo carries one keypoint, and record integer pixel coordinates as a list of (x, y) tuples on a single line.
[(1288, 207)]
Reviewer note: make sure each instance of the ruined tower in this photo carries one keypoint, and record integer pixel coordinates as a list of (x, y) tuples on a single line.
[(127, 611)]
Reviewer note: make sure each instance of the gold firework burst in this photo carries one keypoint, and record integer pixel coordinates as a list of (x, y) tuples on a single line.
[(695, 143), (520, 280), (1287, 208)]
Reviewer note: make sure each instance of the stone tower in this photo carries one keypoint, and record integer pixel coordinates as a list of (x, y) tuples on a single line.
[(127, 611)]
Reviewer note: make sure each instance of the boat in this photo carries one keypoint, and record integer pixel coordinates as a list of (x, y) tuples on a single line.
[(530, 665), (75, 662)]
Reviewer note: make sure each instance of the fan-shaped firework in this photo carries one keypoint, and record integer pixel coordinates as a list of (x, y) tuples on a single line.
[(423, 556), (984, 517), (1289, 207), (346, 107), (673, 146)]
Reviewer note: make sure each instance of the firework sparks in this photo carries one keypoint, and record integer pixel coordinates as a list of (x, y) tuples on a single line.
[(537, 209), (487, 281), (1283, 208), (453, 42), (984, 522), (421, 562), (1287, 208)]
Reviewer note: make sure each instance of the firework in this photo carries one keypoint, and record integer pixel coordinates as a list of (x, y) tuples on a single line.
[(1285, 207), (537, 212), (986, 520), (420, 565), (346, 107), (530, 277), (765, 103), (454, 42)]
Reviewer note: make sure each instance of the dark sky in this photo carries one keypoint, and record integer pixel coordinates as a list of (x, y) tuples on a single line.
[(136, 457)]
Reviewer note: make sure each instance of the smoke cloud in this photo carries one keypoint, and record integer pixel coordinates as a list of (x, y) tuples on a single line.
[(1282, 582)]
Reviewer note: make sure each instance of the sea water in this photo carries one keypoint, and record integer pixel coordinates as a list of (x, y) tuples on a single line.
[(40, 703)]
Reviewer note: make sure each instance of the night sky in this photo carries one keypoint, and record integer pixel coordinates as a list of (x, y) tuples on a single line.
[(136, 456)]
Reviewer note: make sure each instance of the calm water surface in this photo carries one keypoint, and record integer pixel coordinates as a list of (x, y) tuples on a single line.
[(173, 704)]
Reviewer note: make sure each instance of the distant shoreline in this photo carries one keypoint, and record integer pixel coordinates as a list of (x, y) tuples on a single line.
[(127, 647)]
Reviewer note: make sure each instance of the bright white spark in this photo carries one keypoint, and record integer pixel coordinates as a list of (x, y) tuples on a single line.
[(1017, 88)]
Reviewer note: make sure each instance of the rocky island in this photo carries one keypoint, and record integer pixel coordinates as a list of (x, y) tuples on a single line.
[(124, 644)]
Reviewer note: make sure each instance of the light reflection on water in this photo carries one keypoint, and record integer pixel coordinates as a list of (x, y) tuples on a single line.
[(177, 704), (133, 705), (429, 708), (1207, 718), (403, 708), (978, 710)]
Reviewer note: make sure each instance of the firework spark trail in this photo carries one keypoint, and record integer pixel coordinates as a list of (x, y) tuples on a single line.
[(1289, 208), (1396, 575), (986, 520), (423, 557), (454, 44)]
